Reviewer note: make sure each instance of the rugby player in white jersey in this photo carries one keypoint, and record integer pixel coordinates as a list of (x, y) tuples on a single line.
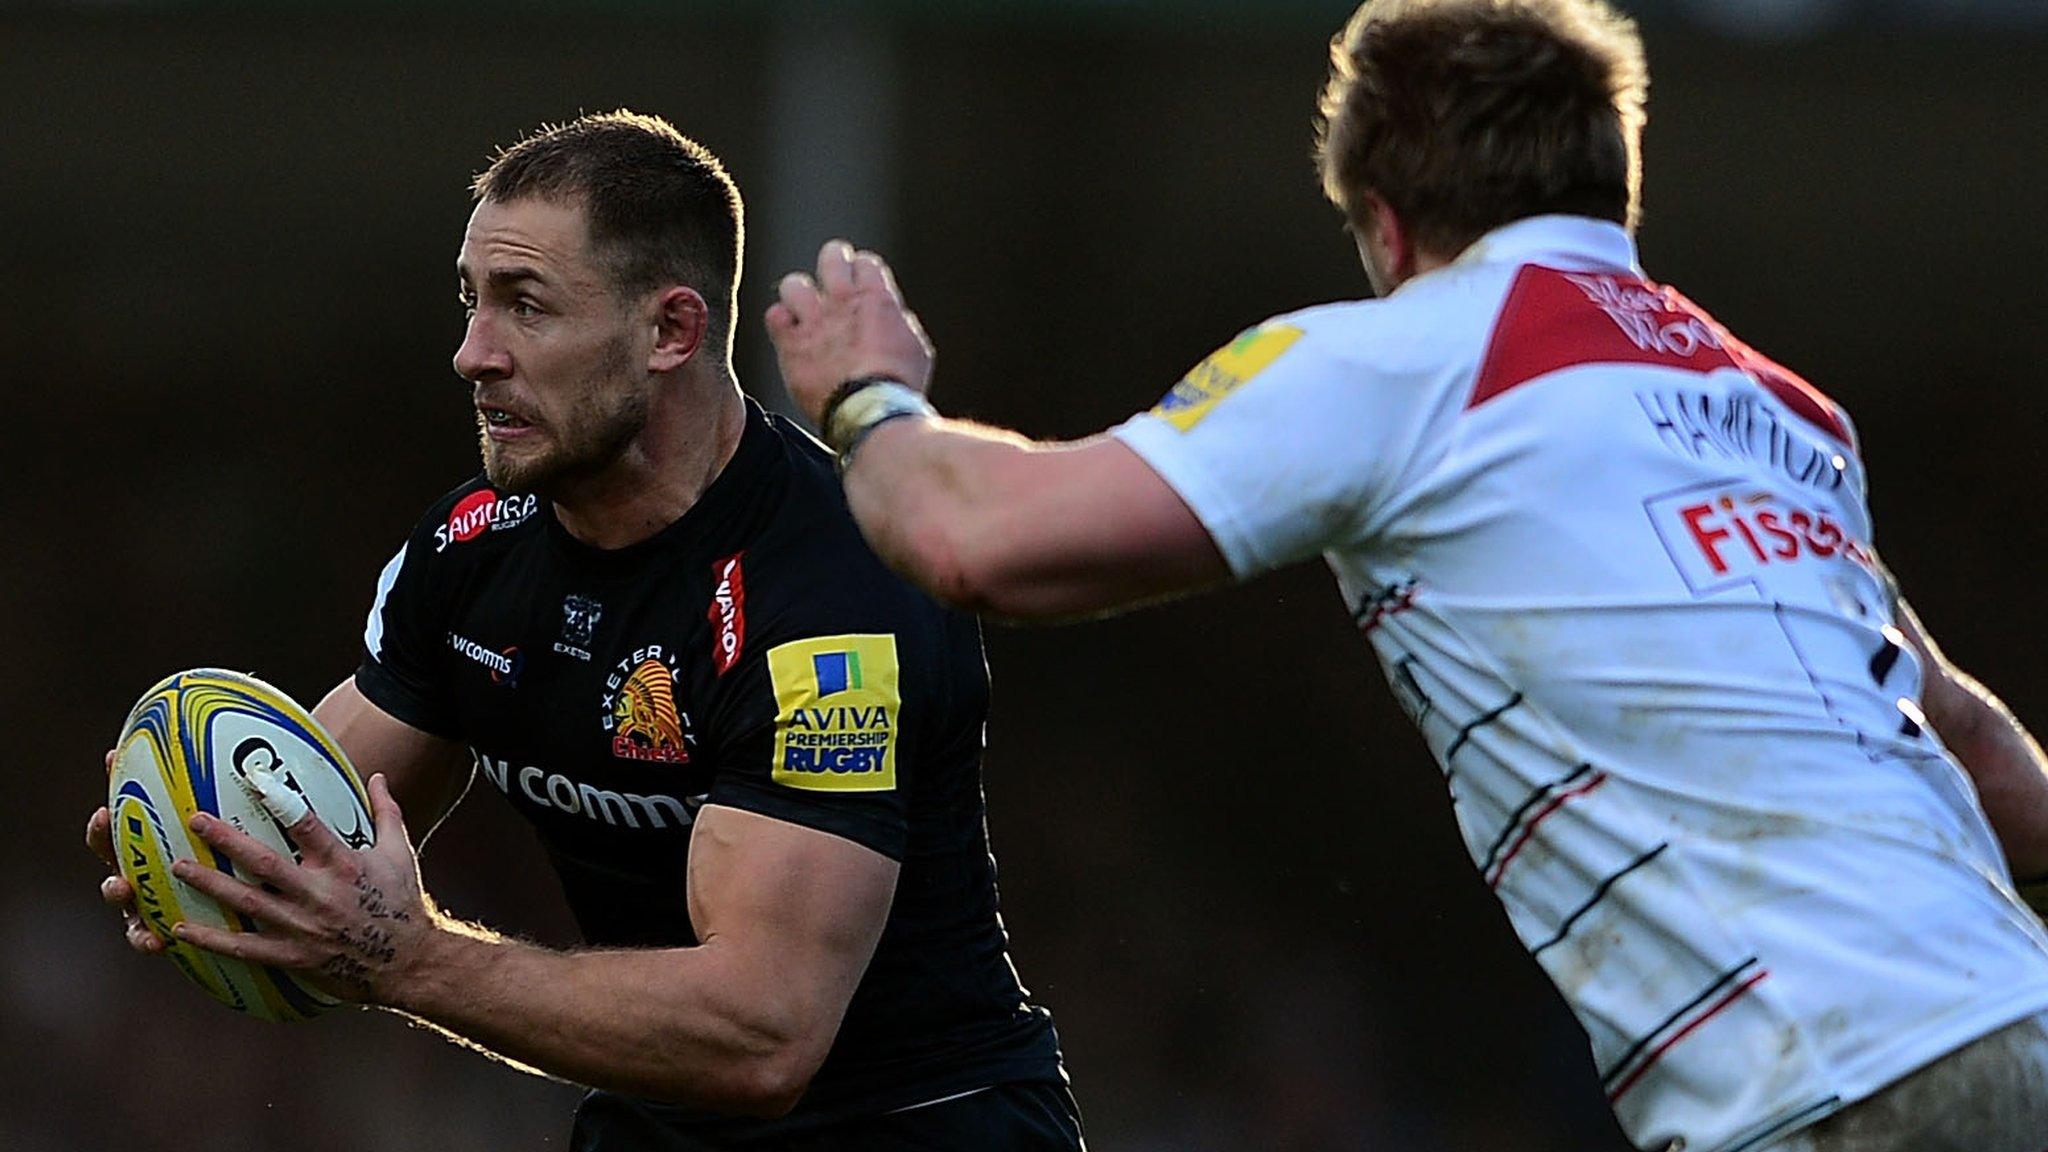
[(1616, 564)]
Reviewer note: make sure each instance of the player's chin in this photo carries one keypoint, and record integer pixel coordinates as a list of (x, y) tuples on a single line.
[(518, 466)]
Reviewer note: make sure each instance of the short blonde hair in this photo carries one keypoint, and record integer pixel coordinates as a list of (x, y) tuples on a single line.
[(1464, 115)]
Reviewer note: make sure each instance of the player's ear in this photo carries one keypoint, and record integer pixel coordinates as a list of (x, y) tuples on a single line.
[(681, 320), (1388, 233)]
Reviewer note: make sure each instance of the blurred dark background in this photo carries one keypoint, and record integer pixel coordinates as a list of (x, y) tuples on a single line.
[(226, 314)]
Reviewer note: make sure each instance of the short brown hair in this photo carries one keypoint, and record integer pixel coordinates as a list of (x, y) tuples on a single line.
[(1464, 115), (660, 207)]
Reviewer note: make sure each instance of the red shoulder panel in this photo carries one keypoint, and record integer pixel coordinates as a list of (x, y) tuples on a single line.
[(1554, 320), (1791, 389)]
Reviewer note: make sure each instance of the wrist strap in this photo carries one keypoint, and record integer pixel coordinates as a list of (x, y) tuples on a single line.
[(859, 406), (839, 397)]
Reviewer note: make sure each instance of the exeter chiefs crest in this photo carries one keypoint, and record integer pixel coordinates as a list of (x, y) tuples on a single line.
[(641, 713)]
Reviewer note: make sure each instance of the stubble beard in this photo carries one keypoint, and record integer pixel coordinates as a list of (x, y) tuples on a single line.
[(609, 412)]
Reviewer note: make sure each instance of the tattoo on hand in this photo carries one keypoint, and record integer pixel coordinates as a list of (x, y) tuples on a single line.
[(367, 949), (370, 900), (348, 971), (373, 944)]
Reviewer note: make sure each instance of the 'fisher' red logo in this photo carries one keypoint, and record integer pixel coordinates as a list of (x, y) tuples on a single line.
[(1719, 536), (728, 613)]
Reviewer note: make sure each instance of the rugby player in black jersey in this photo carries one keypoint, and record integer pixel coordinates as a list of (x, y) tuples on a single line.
[(752, 754)]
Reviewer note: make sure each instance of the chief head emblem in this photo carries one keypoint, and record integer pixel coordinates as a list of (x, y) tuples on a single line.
[(641, 711)]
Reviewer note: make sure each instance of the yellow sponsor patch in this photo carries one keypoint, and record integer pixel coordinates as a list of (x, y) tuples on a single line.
[(1222, 373), (837, 707)]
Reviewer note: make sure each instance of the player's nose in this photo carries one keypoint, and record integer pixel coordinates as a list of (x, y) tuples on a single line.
[(479, 357)]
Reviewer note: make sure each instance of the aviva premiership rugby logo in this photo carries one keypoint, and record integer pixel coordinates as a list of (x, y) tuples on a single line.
[(640, 711), (1208, 383), (838, 704)]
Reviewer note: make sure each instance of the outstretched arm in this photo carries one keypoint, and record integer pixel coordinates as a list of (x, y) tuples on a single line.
[(996, 524), (982, 518), (1992, 745)]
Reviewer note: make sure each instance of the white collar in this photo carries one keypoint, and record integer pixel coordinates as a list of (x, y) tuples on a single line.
[(1574, 243)]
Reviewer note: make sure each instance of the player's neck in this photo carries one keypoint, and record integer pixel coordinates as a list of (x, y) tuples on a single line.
[(690, 436)]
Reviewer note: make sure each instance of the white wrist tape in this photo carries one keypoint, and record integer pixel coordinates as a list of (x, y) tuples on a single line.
[(868, 406)]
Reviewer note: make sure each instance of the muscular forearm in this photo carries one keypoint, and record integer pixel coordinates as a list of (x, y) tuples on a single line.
[(933, 498), (789, 918), (990, 522), (700, 1026)]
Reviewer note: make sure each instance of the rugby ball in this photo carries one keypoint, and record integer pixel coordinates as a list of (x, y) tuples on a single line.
[(191, 745)]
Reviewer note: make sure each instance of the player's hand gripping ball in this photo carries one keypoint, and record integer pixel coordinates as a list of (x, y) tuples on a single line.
[(221, 742)]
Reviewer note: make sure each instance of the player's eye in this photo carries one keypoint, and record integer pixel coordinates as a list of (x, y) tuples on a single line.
[(524, 307)]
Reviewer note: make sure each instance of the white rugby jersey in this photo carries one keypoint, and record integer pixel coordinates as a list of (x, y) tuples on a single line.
[(1617, 566)]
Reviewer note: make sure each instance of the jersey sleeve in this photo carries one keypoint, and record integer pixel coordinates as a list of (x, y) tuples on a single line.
[(399, 671), (819, 730), (1284, 442)]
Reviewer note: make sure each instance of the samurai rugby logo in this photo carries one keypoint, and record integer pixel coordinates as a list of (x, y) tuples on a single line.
[(484, 510), (641, 713)]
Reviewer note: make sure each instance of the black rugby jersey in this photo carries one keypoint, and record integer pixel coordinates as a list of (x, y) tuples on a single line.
[(756, 654)]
